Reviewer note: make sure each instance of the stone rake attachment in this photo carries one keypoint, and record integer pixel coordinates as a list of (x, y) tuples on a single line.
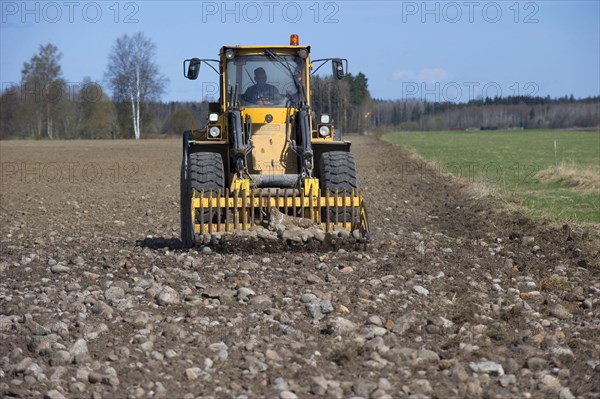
[(218, 212)]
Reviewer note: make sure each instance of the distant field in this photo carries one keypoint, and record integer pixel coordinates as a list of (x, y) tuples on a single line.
[(522, 167)]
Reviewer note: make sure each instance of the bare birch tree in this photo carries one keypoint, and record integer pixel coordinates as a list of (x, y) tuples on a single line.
[(133, 75)]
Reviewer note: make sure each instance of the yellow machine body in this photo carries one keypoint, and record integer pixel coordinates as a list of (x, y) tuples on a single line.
[(270, 152)]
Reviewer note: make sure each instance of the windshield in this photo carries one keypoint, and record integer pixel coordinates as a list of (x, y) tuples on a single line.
[(266, 82)]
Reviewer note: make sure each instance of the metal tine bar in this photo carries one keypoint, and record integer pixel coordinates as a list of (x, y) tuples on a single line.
[(235, 210), (327, 216), (312, 208), (318, 218), (337, 208), (219, 210), (268, 204), (210, 211), (353, 210), (260, 203), (294, 203), (302, 203), (286, 196), (244, 212), (252, 206), (226, 209), (344, 208), (201, 212), (277, 198)]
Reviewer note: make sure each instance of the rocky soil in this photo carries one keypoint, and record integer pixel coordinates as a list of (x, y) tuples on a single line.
[(456, 297)]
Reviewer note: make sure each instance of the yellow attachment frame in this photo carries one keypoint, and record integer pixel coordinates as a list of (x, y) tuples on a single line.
[(243, 209)]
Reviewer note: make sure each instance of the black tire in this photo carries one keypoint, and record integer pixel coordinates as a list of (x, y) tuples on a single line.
[(337, 171), (204, 172), (185, 204)]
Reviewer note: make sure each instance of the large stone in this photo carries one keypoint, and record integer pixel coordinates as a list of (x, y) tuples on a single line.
[(261, 302), (404, 323), (59, 268), (420, 387), (245, 292), (102, 309), (318, 386), (192, 373), (363, 388), (342, 325), (79, 348), (421, 290), (54, 394), (61, 357), (168, 296), (22, 365), (114, 294), (487, 367), (560, 312), (550, 383), (427, 356)]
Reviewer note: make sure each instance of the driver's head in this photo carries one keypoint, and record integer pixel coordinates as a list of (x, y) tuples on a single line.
[(260, 75)]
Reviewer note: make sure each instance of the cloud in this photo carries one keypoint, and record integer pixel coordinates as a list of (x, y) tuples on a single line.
[(403, 74), (426, 75)]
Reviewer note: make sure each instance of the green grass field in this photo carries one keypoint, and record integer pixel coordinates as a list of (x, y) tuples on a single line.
[(522, 167)]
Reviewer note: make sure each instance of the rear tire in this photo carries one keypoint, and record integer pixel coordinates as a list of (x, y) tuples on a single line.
[(337, 171), (203, 172)]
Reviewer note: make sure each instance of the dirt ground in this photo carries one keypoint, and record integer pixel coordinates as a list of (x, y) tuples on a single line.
[(456, 297)]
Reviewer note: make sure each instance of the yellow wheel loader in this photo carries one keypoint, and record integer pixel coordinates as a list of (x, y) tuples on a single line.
[(265, 148)]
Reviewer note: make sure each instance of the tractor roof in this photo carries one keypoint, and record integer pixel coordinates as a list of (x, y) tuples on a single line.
[(265, 47)]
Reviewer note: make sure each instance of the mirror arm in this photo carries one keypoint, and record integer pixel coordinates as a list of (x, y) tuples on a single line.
[(319, 67), (211, 65), (324, 61)]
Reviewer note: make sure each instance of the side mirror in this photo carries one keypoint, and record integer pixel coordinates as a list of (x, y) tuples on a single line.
[(191, 68), (337, 67)]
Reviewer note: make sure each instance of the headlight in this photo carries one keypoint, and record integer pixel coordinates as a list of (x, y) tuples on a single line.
[(324, 131), (229, 54), (214, 132), (324, 118), (213, 117)]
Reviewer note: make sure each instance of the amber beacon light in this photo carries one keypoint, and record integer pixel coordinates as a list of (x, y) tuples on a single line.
[(294, 40)]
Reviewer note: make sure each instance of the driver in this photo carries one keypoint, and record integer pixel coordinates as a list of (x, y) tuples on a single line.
[(261, 92)]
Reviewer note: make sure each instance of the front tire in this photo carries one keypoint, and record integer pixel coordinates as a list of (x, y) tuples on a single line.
[(203, 171), (337, 171)]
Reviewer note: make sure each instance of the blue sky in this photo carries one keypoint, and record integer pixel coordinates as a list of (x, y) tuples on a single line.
[(434, 50)]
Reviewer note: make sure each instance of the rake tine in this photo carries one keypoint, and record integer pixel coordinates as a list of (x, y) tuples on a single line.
[(227, 210), (302, 203), (353, 210), (277, 198), (312, 208), (252, 206), (235, 210), (327, 216), (201, 212), (337, 208), (244, 213), (219, 210), (344, 207), (294, 203), (210, 211)]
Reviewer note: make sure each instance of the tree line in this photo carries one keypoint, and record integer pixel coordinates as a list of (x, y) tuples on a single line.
[(513, 112), (44, 105)]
